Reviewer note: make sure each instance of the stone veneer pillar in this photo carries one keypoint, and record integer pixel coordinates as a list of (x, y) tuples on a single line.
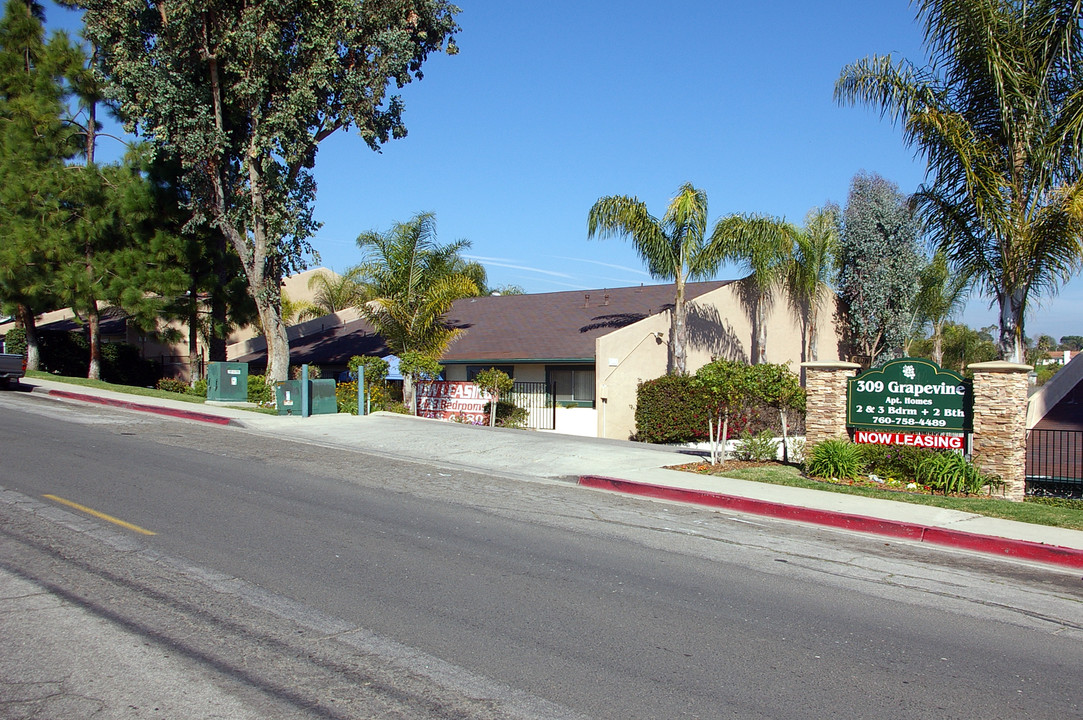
[(825, 408), (1000, 423)]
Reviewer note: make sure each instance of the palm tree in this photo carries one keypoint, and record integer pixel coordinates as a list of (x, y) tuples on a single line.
[(334, 293), (765, 246), (941, 295), (673, 248), (412, 282), (811, 271), (998, 114)]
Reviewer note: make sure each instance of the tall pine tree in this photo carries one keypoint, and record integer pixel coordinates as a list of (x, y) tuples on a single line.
[(34, 145)]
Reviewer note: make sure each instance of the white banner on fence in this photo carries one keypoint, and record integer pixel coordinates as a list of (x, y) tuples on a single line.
[(447, 400)]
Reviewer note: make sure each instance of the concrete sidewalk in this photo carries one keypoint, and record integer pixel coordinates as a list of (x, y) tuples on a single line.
[(612, 465)]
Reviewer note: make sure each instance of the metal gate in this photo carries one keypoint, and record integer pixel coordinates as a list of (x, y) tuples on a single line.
[(1055, 463), (537, 398)]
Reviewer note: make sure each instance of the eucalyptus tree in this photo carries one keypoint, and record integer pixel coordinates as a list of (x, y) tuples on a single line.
[(673, 247), (878, 266), (811, 273), (243, 94), (998, 115), (764, 246)]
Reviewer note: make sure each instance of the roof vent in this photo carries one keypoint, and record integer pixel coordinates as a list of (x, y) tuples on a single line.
[(607, 299), (586, 299)]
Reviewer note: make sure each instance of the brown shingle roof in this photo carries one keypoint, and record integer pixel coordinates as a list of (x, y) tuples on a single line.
[(333, 345), (542, 326), (554, 326)]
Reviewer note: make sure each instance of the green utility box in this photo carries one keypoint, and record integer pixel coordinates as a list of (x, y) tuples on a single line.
[(288, 397), (322, 397), (227, 381)]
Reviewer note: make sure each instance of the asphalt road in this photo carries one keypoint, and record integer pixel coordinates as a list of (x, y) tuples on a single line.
[(310, 582)]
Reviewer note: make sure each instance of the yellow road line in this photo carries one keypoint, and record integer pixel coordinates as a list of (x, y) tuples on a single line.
[(103, 516)]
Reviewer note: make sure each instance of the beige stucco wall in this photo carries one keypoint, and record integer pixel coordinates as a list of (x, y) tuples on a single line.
[(719, 326)]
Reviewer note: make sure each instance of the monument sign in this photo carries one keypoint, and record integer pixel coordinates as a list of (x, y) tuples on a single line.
[(908, 396)]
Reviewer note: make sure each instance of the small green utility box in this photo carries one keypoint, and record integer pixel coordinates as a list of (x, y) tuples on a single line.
[(227, 381), (322, 397), (288, 397)]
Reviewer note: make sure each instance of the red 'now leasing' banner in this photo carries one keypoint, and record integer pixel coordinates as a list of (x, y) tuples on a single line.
[(452, 400), (946, 442)]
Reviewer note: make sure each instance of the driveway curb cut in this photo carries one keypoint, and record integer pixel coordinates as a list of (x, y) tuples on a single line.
[(158, 410), (1007, 547)]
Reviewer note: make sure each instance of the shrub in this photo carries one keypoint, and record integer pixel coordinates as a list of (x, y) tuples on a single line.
[(64, 353), (397, 407), (383, 394), (200, 388), (379, 396), (68, 353), (834, 459), (508, 414), (15, 341), (893, 461), (314, 372), (950, 472), (122, 364), (346, 397), (671, 409), (376, 368), (798, 450), (757, 448), (259, 392), (173, 385)]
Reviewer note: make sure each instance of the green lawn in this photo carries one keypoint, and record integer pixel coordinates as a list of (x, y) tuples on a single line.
[(1066, 514), (132, 390)]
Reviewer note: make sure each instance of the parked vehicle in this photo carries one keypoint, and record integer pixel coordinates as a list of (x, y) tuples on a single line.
[(12, 367)]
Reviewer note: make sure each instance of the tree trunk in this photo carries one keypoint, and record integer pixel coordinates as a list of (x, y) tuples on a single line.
[(761, 330), (678, 333), (195, 368), (94, 369), (93, 322), (216, 347), (938, 344), (813, 336), (1011, 344), (266, 291), (409, 394), (723, 434), (785, 436), (278, 345), (29, 325)]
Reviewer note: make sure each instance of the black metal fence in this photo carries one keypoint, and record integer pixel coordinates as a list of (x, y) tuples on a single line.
[(1055, 463), (537, 399)]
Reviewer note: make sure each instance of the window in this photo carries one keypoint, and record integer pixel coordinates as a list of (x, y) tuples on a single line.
[(473, 370), (573, 383)]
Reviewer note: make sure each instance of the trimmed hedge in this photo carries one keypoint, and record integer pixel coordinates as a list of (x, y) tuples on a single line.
[(68, 353), (671, 409)]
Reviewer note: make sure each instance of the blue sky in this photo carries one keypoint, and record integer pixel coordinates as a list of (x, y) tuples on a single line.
[(550, 106)]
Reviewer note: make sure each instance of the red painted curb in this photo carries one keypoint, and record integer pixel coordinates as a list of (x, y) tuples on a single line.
[(1023, 549), (170, 412)]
